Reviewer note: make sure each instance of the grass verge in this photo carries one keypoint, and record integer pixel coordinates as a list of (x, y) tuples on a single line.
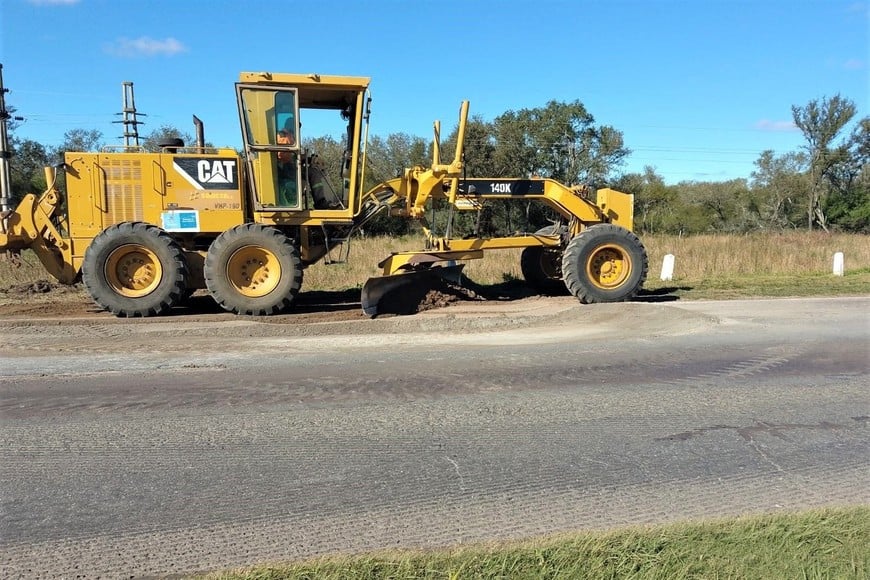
[(725, 287), (830, 543)]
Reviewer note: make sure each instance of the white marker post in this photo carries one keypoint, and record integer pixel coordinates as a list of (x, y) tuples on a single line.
[(839, 264), (668, 267)]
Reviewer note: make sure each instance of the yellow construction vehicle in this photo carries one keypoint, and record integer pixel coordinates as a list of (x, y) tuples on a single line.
[(144, 230)]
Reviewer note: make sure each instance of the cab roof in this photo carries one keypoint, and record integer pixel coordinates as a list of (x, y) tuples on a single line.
[(306, 80)]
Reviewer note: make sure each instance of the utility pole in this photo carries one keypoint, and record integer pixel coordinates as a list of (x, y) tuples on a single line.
[(5, 152), (130, 120)]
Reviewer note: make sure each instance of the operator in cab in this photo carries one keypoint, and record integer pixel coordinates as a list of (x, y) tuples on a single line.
[(288, 187)]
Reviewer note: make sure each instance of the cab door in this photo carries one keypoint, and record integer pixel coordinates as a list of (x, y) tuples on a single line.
[(270, 128)]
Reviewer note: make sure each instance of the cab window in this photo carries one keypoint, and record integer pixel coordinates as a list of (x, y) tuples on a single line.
[(271, 128)]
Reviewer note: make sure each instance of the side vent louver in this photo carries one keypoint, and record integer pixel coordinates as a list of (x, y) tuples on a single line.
[(124, 190)]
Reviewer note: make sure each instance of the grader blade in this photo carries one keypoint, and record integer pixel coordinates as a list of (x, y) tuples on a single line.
[(402, 293)]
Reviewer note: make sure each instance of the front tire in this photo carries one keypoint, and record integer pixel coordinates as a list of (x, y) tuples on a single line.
[(604, 263), (134, 269), (253, 269)]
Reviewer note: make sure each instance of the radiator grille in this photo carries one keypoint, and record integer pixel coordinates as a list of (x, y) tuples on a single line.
[(124, 189)]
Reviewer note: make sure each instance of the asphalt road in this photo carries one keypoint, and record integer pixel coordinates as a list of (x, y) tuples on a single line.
[(148, 448)]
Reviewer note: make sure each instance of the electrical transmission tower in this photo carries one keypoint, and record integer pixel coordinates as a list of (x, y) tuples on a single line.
[(5, 152), (130, 117)]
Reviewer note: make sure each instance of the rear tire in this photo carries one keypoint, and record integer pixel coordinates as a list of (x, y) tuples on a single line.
[(253, 269), (604, 263), (542, 266), (134, 269)]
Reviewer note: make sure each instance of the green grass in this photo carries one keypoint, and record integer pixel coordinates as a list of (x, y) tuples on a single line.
[(830, 543), (724, 287)]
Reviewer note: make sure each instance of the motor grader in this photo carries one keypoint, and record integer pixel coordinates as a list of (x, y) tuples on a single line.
[(144, 230)]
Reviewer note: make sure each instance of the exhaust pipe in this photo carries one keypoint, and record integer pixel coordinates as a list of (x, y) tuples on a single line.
[(200, 132)]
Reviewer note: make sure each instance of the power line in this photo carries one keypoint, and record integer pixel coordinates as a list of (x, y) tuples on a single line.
[(647, 149), (60, 94), (691, 160), (695, 150)]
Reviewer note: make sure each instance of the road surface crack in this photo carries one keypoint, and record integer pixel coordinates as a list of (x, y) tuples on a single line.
[(458, 473)]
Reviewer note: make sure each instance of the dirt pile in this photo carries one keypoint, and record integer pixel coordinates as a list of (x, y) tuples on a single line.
[(33, 289), (446, 295), (428, 294), (440, 293)]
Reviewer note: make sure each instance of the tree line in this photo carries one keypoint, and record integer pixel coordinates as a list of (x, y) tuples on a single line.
[(823, 185)]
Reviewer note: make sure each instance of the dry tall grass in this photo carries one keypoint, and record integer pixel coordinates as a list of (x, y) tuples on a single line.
[(710, 256), (697, 257)]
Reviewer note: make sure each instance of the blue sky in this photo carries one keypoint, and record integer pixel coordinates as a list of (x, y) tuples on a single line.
[(698, 88)]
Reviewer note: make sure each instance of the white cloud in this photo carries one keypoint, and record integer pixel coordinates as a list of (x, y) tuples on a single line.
[(853, 64), (53, 2), (145, 46), (768, 125)]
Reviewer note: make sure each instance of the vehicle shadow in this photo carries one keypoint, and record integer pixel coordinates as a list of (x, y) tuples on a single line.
[(518, 289), (667, 294), (317, 301), (412, 300), (327, 300)]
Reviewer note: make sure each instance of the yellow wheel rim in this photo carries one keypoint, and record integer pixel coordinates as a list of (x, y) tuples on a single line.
[(253, 271), (608, 267), (133, 270)]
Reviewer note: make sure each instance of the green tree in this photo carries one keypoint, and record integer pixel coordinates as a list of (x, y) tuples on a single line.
[(714, 206), (559, 140), (163, 134), (26, 163), (26, 168), (387, 158), (821, 122), (779, 183), (479, 150), (849, 206), (82, 140), (655, 204)]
